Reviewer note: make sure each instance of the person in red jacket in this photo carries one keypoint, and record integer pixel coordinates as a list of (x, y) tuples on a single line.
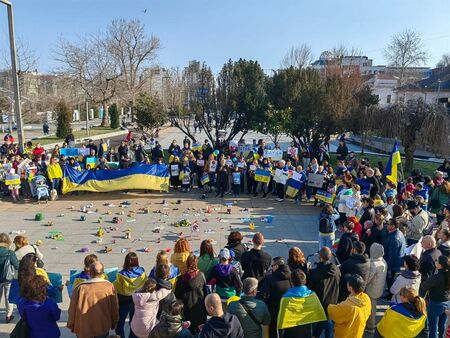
[(38, 150), (357, 228)]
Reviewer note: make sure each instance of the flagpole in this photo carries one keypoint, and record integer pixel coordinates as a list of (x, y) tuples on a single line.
[(401, 169)]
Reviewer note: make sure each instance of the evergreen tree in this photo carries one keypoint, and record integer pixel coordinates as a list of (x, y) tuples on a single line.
[(64, 119), (114, 116)]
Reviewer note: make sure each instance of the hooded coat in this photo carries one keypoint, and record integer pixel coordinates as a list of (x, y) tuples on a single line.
[(324, 281), (226, 279), (410, 279), (146, 306), (227, 326), (350, 316), (190, 289), (377, 272), (358, 264)]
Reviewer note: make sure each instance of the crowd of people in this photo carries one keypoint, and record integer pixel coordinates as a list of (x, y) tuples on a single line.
[(394, 244), (244, 292), (223, 169)]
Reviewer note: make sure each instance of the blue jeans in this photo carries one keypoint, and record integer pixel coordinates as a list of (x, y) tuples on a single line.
[(55, 183), (126, 307), (437, 318), (326, 327), (326, 240)]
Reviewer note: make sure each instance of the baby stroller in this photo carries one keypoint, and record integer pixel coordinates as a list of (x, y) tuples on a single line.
[(40, 182)]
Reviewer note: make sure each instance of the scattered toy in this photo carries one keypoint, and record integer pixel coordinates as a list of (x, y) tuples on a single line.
[(107, 249), (39, 216), (100, 232)]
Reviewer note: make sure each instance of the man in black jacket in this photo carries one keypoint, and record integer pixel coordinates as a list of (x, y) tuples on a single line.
[(357, 263), (273, 287), (428, 259), (220, 324), (346, 242), (324, 281), (256, 261)]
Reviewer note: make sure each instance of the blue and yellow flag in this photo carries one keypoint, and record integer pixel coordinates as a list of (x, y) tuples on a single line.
[(262, 175), (296, 311), (397, 322), (143, 176), (127, 282), (391, 167), (293, 187)]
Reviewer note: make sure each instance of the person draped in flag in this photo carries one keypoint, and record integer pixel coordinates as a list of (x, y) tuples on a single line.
[(299, 309), (129, 279), (406, 319)]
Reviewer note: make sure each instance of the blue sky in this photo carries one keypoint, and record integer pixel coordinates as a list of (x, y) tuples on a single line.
[(214, 31)]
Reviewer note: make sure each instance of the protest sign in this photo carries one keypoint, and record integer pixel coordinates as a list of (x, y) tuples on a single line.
[(274, 154), (315, 180)]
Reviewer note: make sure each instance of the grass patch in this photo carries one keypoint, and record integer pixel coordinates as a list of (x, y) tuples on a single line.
[(426, 167), (77, 134)]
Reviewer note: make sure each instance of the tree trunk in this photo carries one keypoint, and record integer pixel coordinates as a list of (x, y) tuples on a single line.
[(409, 158), (105, 119), (363, 141)]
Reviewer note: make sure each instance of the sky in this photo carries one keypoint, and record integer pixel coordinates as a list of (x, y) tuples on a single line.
[(217, 30)]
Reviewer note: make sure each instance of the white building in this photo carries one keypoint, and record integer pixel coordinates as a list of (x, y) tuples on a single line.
[(383, 86)]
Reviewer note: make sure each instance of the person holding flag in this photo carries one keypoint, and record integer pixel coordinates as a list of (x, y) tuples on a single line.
[(391, 167)]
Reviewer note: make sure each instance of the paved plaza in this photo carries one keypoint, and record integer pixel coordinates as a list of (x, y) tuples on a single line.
[(291, 225)]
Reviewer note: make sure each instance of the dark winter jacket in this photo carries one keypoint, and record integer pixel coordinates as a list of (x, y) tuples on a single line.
[(296, 266), (140, 153), (226, 279), (324, 281), (444, 248), (238, 249), (164, 304), (437, 287), (394, 250), (367, 216), (259, 310), (428, 261), (376, 236), (358, 264), (227, 326), (272, 288), (190, 289), (345, 246), (41, 317), (255, 263)]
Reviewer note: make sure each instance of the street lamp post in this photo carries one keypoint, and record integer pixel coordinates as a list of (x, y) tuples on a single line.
[(12, 47)]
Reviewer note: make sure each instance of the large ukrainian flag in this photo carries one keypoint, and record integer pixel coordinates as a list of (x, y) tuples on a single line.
[(295, 311), (391, 166), (397, 322), (143, 176), (127, 282)]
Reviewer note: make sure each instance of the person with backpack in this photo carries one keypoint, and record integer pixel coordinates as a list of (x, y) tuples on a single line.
[(8, 265), (252, 313), (327, 226)]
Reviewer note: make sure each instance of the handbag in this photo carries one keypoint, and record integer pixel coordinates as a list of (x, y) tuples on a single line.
[(206, 287), (21, 330), (8, 270)]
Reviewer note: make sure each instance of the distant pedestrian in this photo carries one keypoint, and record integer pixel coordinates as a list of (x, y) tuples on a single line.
[(46, 128)]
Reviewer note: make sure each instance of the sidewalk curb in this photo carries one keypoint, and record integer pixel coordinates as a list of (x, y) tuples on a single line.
[(83, 139)]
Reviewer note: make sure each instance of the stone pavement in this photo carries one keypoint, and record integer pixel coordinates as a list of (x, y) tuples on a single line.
[(292, 225)]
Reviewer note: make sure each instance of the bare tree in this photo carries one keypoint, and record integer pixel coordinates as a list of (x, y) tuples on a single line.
[(415, 123), (91, 66), (134, 51), (26, 58), (444, 61), (406, 49), (297, 57)]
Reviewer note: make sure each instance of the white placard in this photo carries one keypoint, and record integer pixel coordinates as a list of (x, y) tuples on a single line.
[(174, 170), (200, 163), (275, 154)]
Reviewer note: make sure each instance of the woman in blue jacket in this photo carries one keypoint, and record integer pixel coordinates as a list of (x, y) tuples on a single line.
[(39, 312)]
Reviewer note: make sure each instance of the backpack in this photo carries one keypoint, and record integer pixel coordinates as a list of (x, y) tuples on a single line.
[(8, 270), (325, 226)]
